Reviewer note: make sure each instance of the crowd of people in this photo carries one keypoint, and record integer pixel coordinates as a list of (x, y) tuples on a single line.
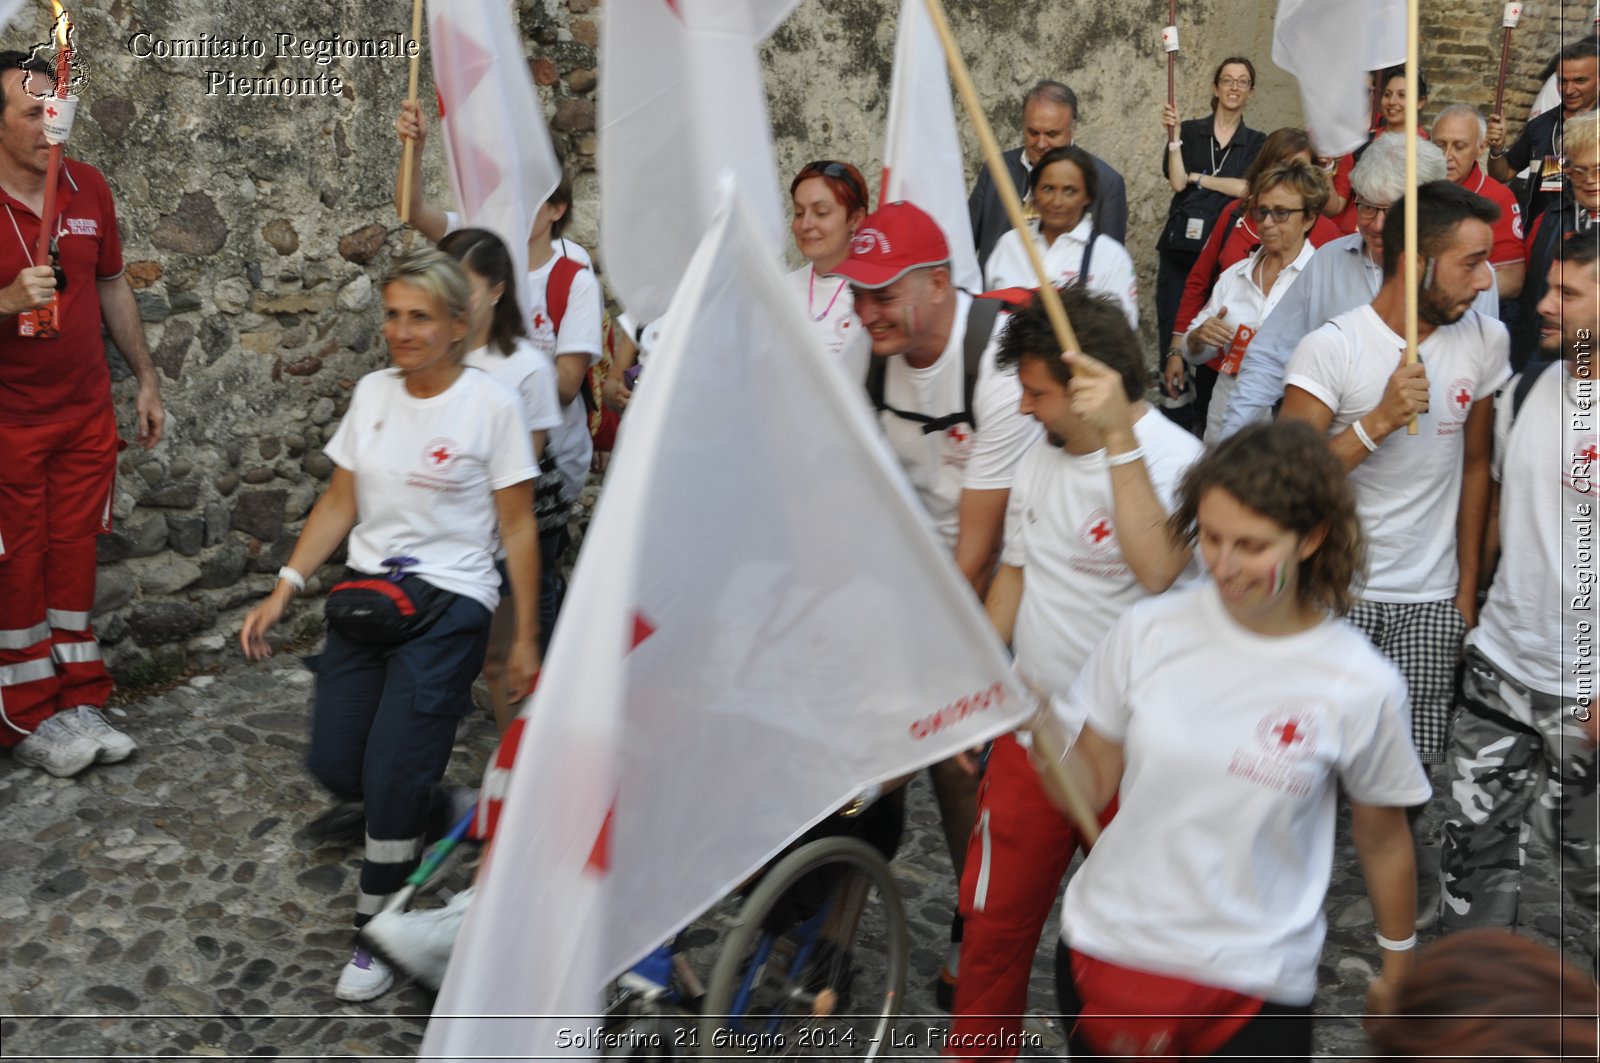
[(1332, 575)]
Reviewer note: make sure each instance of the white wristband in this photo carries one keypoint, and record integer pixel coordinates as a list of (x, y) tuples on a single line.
[(1174, 145), (293, 579), (1126, 458), (1397, 946), (1366, 440)]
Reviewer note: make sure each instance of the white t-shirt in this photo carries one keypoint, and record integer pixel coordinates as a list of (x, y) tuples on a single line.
[(1545, 464), (943, 464), (426, 471), (527, 373), (1409, 491), (1217, 863), (1060, 532), (831, 307), (1110, 268), (570, 444)]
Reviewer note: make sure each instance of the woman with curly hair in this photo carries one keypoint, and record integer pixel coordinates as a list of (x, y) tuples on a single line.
[(1225, 718)]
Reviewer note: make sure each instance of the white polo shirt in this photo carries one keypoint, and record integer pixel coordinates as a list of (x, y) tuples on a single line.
[(1110, 268)]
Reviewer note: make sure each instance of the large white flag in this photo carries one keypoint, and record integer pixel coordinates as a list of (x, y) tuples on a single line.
[(502, 163), (681, 102), (1329, 47), (922, 157), (761, 623)]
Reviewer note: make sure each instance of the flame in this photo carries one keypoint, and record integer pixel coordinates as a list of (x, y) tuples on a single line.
[(63, 24)]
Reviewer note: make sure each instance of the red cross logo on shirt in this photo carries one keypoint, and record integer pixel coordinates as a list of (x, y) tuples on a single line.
[(1100, 532), (440, 455), (1288, 734), (958, 435), (538, 321), (1588, 455), (440, 452), (1463, 398)]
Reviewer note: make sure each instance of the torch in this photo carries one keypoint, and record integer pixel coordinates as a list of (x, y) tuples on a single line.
[(59, 109), (1169, 41), (1508, 20)]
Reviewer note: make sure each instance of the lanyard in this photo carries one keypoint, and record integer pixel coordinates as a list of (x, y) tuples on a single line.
[(27, 252), (811, 287), (1225, 152)]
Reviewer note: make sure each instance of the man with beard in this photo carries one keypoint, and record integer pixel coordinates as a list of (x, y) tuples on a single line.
[(1086, 537), (1523, 747), (1424, 498)]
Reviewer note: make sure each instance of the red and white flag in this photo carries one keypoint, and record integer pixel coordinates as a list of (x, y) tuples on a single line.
[(8, 9), (922, 161), (1329, 47), (681, 102), (502, 163), (763, 623)]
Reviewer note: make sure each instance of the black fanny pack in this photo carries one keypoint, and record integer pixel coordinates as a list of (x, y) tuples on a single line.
[(384, 610)]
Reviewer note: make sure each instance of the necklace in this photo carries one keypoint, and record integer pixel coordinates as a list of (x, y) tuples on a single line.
[(811, 288)]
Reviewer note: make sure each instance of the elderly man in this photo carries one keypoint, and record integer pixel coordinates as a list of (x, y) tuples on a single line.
[(1341, 276), (1460, 133), (1540, 147), (1575, 212), (58, 435), (1049, 120), (951, 418)]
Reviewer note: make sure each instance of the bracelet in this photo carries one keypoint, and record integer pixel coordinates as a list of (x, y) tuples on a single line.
[(293, 579), (1361, 434), (1498, 154), (1174, 145), (1391, 945), (1125, 458)]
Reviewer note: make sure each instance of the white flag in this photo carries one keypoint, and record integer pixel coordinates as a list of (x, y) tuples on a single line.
[(763, 623), (681, 102), (502, 163), (922, 157), (9, 8), (1329, 47)]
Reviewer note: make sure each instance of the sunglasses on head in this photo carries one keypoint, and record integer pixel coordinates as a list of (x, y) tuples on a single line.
[(825, 168)]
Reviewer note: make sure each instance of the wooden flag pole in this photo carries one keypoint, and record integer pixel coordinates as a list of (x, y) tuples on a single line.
[(1508, 21), (1169, 40), (410, 150), (1410, 256), (1002, 178)]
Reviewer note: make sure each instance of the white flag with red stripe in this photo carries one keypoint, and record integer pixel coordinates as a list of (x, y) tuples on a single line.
[(922, 155), (762, 622), (681, 102), (1329, 47), (502, 163)]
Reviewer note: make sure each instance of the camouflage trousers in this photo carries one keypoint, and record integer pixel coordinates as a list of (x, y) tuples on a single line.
[(1518, 762)]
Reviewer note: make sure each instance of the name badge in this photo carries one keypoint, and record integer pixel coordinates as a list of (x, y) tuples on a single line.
[(1551, 173), (1194, 229)]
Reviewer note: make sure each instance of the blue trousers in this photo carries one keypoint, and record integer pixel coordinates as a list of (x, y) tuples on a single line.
[(381, 733)]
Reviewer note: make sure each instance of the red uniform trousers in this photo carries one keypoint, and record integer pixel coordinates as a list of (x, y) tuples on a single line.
[(55, 498), (1021, 847)]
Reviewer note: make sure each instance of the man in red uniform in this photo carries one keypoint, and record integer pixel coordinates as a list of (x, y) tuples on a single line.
[(59, 437), (1460, 131)]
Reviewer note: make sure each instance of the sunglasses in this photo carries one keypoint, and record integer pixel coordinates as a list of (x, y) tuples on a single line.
[(838, 170)]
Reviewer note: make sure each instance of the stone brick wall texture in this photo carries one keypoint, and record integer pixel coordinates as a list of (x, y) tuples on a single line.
[(254, 228)]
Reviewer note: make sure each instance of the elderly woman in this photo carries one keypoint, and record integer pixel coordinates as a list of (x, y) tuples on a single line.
[(431, 460), (830, 199), (1063, 186), (1285, 204)]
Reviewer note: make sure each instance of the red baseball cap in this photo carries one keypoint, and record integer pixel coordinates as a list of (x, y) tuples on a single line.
[(899, 238)]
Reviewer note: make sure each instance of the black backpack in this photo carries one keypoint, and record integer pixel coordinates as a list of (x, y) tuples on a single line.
[(980, 325)]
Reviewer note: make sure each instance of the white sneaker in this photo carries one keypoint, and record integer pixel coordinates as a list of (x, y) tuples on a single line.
[(365, 977), (419, 942), (86, 720), (56, 747)]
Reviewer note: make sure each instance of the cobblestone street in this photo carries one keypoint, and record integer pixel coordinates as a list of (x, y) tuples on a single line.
[(171, 905)]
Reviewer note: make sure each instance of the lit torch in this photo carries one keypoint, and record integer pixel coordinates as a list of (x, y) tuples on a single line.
[(58, 114)]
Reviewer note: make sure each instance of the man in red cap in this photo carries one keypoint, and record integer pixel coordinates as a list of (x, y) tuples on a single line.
[(951, 417)]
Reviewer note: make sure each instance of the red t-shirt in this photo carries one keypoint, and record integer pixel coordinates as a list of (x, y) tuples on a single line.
[(1508, 249), (64, 379)]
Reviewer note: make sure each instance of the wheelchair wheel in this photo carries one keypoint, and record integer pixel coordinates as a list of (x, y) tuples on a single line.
[(821, 977)]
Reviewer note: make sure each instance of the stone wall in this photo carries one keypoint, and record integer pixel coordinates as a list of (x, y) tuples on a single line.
[(254, 227)]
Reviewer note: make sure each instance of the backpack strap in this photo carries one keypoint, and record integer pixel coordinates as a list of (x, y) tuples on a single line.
[(558, 290), (1082, 280), (1525, 380), (980, 326)]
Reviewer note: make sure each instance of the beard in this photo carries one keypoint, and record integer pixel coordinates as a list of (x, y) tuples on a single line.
[(1437, 309)]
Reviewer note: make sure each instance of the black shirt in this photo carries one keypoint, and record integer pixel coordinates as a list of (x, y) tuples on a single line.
[(1203, 154)]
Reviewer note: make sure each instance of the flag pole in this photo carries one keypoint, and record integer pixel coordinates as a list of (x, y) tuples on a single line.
[(1169, 40), (1508, 21), (1410, 256), (410, 145), (1002, 178)]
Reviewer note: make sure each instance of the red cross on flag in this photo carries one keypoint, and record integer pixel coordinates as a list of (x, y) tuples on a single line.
[(502, 163), (1329, 47), (682, 102), (732, 663), (922, 161)]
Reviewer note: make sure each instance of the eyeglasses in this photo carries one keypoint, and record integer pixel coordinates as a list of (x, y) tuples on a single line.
[(1584, 173), (825, 168), (1233, 83), (1277, 214), (1369, 210)]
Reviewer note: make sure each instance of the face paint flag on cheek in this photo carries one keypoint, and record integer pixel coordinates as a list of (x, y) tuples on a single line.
[(1280, 578)]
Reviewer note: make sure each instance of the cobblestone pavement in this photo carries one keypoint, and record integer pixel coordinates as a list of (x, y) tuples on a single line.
[(171, 905)]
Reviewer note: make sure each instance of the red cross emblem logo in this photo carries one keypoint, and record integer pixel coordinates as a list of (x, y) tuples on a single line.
[(1100, 532), (958, 435), (538, 321), (439, 453), (1463, 398), (1289, 733), (51, 111), (1097, 534)]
